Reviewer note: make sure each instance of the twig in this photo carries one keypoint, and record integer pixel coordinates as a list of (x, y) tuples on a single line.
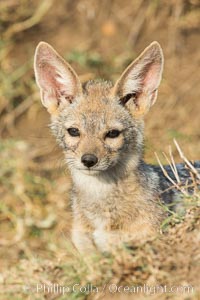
[(173, 167), (168, 177), (173, 163), (33, 20), (18, 111), (186, 160)]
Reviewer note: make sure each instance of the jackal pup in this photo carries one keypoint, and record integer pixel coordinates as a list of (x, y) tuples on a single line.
[(115, 195)]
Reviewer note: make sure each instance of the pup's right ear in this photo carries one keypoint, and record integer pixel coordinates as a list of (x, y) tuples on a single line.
[(58, 82)]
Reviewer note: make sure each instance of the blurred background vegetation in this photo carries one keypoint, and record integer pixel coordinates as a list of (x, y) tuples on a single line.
[(99, 39)]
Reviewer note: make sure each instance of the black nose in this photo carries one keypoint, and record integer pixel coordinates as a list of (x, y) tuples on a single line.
[(89, 160)]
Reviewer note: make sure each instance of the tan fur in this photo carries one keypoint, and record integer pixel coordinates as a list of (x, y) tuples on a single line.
[(135, 218), (112, 202)]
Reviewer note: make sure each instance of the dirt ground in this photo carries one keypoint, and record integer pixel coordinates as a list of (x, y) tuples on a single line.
[(99, 39)]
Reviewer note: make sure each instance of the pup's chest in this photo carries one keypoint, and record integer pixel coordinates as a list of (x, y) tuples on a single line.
[(91, 188), (98, 200), (105, 215), (108, 208)]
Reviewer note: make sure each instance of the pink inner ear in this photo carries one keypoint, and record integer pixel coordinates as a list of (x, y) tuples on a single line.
[(152, 76), (48, 80)]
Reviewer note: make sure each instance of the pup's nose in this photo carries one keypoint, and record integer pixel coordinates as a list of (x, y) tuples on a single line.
[(89, 160)]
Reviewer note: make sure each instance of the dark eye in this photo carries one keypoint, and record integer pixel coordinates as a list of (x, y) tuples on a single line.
[(113, 133), (73, 131)]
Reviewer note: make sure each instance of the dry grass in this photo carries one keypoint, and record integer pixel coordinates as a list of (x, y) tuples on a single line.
[(97, 38)]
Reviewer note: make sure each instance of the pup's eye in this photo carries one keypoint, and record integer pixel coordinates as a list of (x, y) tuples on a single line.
[(113, 133), (73, 131)]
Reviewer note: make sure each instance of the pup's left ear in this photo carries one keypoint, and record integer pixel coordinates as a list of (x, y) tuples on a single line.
[(137, 86)]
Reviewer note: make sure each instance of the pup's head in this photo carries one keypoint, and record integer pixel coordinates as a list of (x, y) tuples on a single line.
[(100, 126)]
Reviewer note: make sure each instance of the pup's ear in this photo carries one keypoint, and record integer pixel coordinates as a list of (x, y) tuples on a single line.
[(58, 82), (137, 86)]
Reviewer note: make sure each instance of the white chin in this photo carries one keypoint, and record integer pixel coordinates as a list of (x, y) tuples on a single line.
[(89, 172)]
